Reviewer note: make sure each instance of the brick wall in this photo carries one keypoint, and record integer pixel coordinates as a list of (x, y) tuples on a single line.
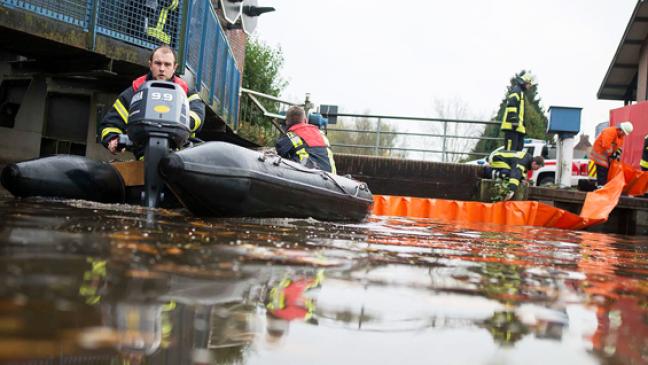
[(236, 38)]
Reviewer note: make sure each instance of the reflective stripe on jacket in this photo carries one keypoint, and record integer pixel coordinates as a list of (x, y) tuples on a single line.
[(515, 164), (306, 144), (644, 155), (513, 119), (288, 300), (605, 145), (116, 119)]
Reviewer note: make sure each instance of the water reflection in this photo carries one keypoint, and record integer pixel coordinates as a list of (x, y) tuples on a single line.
[(104, 284)]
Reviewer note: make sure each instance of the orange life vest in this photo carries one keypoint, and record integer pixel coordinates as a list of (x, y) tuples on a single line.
[(138, 82)]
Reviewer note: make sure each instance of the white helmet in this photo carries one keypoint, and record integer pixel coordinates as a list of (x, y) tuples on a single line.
[(527, 78), (626, 127)]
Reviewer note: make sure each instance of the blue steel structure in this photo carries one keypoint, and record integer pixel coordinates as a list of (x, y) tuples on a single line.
[(191, 27), (564, 120)]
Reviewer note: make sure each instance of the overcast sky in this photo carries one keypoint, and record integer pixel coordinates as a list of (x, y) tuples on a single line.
[(398, 57)]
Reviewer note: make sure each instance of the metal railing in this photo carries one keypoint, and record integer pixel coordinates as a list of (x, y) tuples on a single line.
[(209, 58), (75, 12), (262, 117), (377, 146), (281, 104), (191, 27), (388, 137)]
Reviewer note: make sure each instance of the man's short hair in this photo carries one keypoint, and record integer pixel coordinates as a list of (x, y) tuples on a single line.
[(164, 49), (295, 115), (539, 160)]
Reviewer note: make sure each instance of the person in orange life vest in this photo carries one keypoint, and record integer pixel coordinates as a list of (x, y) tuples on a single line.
[(162, 66), (607, 147), (305, 143), (287, 301)]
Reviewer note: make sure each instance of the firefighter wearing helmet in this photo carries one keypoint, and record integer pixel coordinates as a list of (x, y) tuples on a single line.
[(607, 147), (513, 119)]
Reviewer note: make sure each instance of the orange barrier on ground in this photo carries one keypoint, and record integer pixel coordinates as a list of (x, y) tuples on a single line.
[(636, 180), (597, 207)]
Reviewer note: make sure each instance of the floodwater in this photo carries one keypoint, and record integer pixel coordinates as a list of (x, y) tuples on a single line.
[(86, 283)]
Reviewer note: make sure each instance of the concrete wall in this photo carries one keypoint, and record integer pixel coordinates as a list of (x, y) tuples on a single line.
[(391, 176), (23, 141)]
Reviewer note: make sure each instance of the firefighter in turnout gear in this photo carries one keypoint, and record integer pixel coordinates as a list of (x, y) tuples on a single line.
[(305, 143), (644, 155), (607, 147), (513, 119), (162, 66), (288, 300), (512, 166)]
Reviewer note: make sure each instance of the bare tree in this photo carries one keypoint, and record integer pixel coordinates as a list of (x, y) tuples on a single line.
[(361, 132), (456, 108)]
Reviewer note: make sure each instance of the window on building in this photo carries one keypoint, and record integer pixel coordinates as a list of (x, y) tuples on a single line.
[(66, 124)]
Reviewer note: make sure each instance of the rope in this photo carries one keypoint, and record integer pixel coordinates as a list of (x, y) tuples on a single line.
[(324, 174)]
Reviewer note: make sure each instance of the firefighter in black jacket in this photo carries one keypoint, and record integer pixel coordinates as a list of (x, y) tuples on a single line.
[(513, 119), (513, 165), (162, 66), (305, 143), (644, 155)]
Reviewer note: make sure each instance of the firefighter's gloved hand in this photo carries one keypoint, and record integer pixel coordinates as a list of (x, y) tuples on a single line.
[(509, 196), (124, 142), (119, 144), (616, 155)]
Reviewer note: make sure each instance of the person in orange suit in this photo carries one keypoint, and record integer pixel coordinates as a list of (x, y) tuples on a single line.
[(607, 147)]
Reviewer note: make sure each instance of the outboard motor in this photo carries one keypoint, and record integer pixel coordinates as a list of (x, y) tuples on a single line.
[(158, 120)]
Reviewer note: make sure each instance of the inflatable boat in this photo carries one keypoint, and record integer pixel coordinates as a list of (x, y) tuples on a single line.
[(214, 179), (224, 180), (65, 176)]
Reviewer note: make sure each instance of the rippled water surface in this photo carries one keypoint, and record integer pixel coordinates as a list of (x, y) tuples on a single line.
[(84, 283)]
